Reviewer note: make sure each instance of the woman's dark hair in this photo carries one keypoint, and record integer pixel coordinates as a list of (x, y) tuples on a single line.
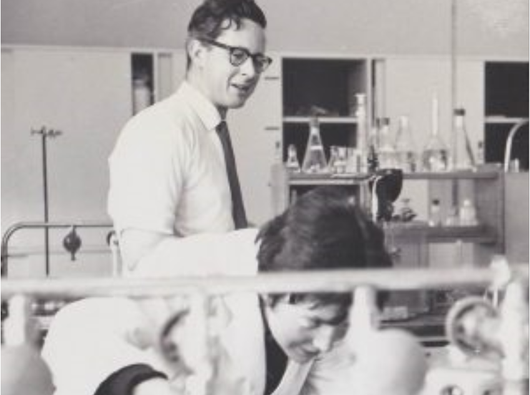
[(323, 229), (213, 16)]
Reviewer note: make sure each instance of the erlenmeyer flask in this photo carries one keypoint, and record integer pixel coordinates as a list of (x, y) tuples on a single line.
[(292, 164), (314, 158), (463, 156), (406, 154), (435, 156)]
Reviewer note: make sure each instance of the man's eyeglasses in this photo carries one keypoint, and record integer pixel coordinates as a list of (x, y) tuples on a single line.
[(239, 55)]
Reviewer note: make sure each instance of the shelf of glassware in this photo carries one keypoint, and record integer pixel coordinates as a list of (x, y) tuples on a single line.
[(323, 120), (358, 178), (488, 200)]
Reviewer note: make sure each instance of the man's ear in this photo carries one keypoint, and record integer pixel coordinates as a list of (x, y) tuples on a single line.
[(196, 52)]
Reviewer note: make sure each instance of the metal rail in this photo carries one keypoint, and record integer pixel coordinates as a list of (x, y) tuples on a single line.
[(40, 225), (316, 281)]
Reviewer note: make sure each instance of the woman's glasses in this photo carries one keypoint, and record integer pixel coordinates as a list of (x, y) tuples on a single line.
[(239, 55)]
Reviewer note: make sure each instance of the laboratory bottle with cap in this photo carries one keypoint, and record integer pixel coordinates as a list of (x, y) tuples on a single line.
[(314, 157), (361, 116)]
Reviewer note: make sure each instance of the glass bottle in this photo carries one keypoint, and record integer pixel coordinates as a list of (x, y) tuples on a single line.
[(337, 160), (373, 147), (435, 156), (463, 155), (314, 158), (292, 164), (362, 130), (435, 213), (279, 182), (386, 152), (468, 214), (406, 155)]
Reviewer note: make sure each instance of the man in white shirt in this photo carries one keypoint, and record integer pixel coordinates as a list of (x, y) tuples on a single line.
[(282, 344), (172, 173)]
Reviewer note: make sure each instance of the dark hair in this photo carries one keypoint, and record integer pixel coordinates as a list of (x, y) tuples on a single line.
[(323, 229), (213, 16)]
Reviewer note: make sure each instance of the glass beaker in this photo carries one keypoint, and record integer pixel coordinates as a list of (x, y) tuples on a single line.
[(337, 160), (314, 157)]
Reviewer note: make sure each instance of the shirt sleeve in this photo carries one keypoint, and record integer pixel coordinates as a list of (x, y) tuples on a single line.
[(209, 254), (89, 340), (147, 173)]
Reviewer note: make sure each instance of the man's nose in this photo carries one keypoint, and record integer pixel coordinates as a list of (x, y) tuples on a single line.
[(323, 340), (248, 67)]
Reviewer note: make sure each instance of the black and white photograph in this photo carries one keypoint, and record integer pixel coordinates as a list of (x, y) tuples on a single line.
[(264, 197)]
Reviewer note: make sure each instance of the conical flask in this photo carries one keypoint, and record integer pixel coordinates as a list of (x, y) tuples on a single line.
[(292, 164), (435, 156), (314, 158), (464, 159), (406, 155)]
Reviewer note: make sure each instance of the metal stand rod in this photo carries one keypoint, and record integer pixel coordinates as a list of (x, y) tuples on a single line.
[(45, 133), (46, 210)]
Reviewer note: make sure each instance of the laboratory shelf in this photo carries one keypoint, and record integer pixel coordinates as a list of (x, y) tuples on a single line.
[(441, 234), (322, 119), (352, 179)]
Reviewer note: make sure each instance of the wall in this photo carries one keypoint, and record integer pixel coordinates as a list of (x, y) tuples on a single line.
[(487, 28)]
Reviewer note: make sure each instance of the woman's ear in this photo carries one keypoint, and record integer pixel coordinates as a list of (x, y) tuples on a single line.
[(196, 51), (273, 300)]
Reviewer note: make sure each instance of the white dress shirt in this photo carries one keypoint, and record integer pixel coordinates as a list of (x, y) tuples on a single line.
[(167, 170)]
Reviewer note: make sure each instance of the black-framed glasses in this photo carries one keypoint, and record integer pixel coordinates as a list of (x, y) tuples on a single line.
[(239, 55)]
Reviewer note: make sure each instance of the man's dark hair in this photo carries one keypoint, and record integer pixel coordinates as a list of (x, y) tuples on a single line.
[(323, 229), (214, 16)]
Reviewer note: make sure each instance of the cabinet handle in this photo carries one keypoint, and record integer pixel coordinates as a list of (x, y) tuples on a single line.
[(271, 77), (272, 128)]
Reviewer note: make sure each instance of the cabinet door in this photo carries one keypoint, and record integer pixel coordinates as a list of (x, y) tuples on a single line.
[(255, 128), (87, 96)]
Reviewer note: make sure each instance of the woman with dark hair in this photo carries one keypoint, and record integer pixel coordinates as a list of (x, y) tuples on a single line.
[(272, 344)]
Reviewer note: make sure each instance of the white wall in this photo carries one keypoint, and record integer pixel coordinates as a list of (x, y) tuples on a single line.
[(486, 28)]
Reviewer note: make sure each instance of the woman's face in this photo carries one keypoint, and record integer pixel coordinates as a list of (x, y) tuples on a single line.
[(306, 328)]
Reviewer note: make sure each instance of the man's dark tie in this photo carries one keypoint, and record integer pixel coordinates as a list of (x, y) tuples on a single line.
[(238, 208)]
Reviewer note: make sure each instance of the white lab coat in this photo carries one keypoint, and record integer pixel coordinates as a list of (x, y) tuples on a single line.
[(90, 339)]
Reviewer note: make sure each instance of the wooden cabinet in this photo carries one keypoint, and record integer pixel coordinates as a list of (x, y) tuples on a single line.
[(325, 87), (505, 104)]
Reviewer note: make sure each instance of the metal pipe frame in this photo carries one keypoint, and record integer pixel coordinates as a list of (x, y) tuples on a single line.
[(40, 225), (315, 281)]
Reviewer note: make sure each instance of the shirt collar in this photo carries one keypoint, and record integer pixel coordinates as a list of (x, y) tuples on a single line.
[(204, 108)]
